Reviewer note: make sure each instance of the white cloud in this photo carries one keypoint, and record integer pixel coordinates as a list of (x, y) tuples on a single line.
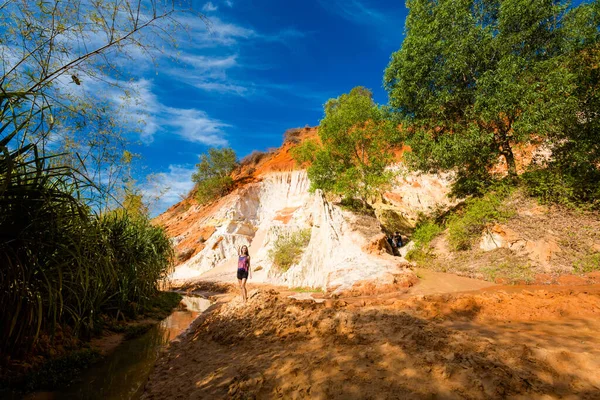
[(381, 25), (164, 189), (143, 108), (355, 11), (195, 126), (209, 7), (207, 64), (222, 88), (229, 3)]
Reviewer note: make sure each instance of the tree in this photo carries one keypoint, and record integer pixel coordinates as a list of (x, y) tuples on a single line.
[(62, 64), (213, 174), (475, 78), (357, 139)]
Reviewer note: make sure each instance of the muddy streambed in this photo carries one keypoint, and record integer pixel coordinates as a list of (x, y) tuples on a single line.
[(123, 373)]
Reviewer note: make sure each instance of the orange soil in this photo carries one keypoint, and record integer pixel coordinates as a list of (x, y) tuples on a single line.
[(490, 344), (182, 219)]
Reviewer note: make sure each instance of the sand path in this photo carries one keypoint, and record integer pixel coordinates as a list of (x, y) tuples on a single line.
[(484, 344)]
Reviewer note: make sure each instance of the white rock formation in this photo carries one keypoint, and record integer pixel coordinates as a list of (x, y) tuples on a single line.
[(258, 213)]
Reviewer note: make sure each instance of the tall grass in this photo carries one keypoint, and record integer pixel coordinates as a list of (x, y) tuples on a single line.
[(60, 263)]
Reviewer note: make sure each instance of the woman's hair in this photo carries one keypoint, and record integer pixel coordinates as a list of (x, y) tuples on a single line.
[(244, 250)]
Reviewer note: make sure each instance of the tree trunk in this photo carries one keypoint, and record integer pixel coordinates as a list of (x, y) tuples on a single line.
[(510, 160), (506, 150)]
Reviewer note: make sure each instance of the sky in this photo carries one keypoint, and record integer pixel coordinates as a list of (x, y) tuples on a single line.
[(258, 68)]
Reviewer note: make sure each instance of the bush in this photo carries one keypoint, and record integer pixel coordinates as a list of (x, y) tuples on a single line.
[(393, 221), (212, 176), (356, 206), (213, 188), (288, 248), (58, 373), (466, 226), (578, 188), (142, 256), (424, 233), (253, 158), (292, 135)]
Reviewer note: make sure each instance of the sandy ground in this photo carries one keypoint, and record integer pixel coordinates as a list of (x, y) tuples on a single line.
[(493, 343)]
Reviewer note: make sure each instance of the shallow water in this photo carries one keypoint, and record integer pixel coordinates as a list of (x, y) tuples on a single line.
[(123, 374)]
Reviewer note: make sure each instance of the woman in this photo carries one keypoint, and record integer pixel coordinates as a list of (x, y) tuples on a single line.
[(243, 270)]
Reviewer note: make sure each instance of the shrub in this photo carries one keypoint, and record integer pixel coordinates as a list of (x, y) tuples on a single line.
[(213, 188), (142, 256), (393, 221), (424, 233), (253, 158), (292, 135), (466, 226), (578, 188), (212, 176), (60, 372), (288, 248)]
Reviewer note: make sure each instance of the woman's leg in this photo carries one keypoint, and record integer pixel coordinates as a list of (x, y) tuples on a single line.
[(241, 289), (244, 292)]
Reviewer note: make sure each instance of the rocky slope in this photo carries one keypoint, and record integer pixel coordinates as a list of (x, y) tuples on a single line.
[(272, 198)]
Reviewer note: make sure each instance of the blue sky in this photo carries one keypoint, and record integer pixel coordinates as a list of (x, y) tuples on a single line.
[(261, 67)]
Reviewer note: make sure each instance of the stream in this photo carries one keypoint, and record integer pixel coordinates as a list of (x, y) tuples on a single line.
[(122, 374)]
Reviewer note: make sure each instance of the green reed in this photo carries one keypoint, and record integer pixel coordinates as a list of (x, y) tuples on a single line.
[(61, 263)]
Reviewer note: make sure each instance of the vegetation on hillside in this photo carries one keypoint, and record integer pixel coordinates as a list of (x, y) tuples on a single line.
[(213, 174), (502, 74), (288, 248), (357, 137)]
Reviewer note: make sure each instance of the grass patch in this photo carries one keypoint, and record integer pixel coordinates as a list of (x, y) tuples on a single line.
[(288, 248), (60, 372), (510, 271), (161, 305), (137, 330), (307, 290), (424, 233), (587, 264), (465, 226), (356, 206)]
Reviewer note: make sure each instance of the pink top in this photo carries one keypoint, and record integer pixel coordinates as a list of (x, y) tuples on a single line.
[(244, 262)]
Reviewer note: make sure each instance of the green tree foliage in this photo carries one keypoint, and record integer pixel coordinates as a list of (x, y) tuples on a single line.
[(357, 139), (305, 152), (213, 174), (474, 78)]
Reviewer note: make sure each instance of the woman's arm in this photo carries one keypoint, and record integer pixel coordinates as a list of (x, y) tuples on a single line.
[(249, 268)]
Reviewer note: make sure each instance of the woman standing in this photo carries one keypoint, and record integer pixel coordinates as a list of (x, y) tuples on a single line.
[(243, 270)]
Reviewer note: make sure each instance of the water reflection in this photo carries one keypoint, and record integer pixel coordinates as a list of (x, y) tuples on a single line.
[(123, 374)]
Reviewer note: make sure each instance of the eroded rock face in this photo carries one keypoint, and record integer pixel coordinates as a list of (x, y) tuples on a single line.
[(414, 193), (499, 236), (344, 248)]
